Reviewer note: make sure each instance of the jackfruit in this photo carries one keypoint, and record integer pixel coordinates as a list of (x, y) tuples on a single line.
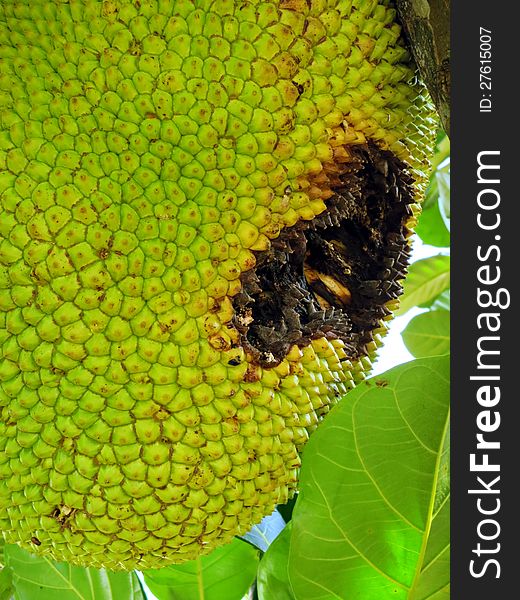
[(205, 213)]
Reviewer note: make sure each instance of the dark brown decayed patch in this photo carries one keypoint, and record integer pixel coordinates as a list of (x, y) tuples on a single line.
[(333, 275)]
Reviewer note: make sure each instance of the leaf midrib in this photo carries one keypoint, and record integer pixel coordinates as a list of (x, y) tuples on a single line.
[(70, 586), (429, 521), (200, 580)]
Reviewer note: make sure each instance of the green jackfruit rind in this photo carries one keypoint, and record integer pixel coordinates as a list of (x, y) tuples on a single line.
[(147, 150)]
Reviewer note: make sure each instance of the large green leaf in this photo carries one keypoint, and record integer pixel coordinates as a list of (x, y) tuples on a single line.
[(6, 583), (227, 572), (41, 578), (442, 302), (371, 520), (273, 578), (428, 334), (433, 580), (6, 576), (431, 227), (426, 279)]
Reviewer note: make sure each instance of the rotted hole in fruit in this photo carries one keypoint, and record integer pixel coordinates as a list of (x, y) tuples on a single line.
[(332, 276)]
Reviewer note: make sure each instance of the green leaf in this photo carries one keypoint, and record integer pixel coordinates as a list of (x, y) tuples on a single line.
[(442, 302), (432, 228), (227, 572), (42, 578), (6, 583), (371, 520), (273, 578), (428, 334), (433, 580), (426, 279)]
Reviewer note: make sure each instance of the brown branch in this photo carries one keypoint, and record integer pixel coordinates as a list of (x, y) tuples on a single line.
[(427, 26)]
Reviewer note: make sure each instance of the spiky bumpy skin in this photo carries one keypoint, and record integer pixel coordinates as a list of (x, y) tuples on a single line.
[(148, 149)]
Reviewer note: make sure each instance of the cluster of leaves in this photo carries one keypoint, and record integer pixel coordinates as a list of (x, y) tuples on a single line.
[(371, 519)]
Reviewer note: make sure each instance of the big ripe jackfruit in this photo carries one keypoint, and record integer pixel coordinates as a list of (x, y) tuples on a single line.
[(205, 212)]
